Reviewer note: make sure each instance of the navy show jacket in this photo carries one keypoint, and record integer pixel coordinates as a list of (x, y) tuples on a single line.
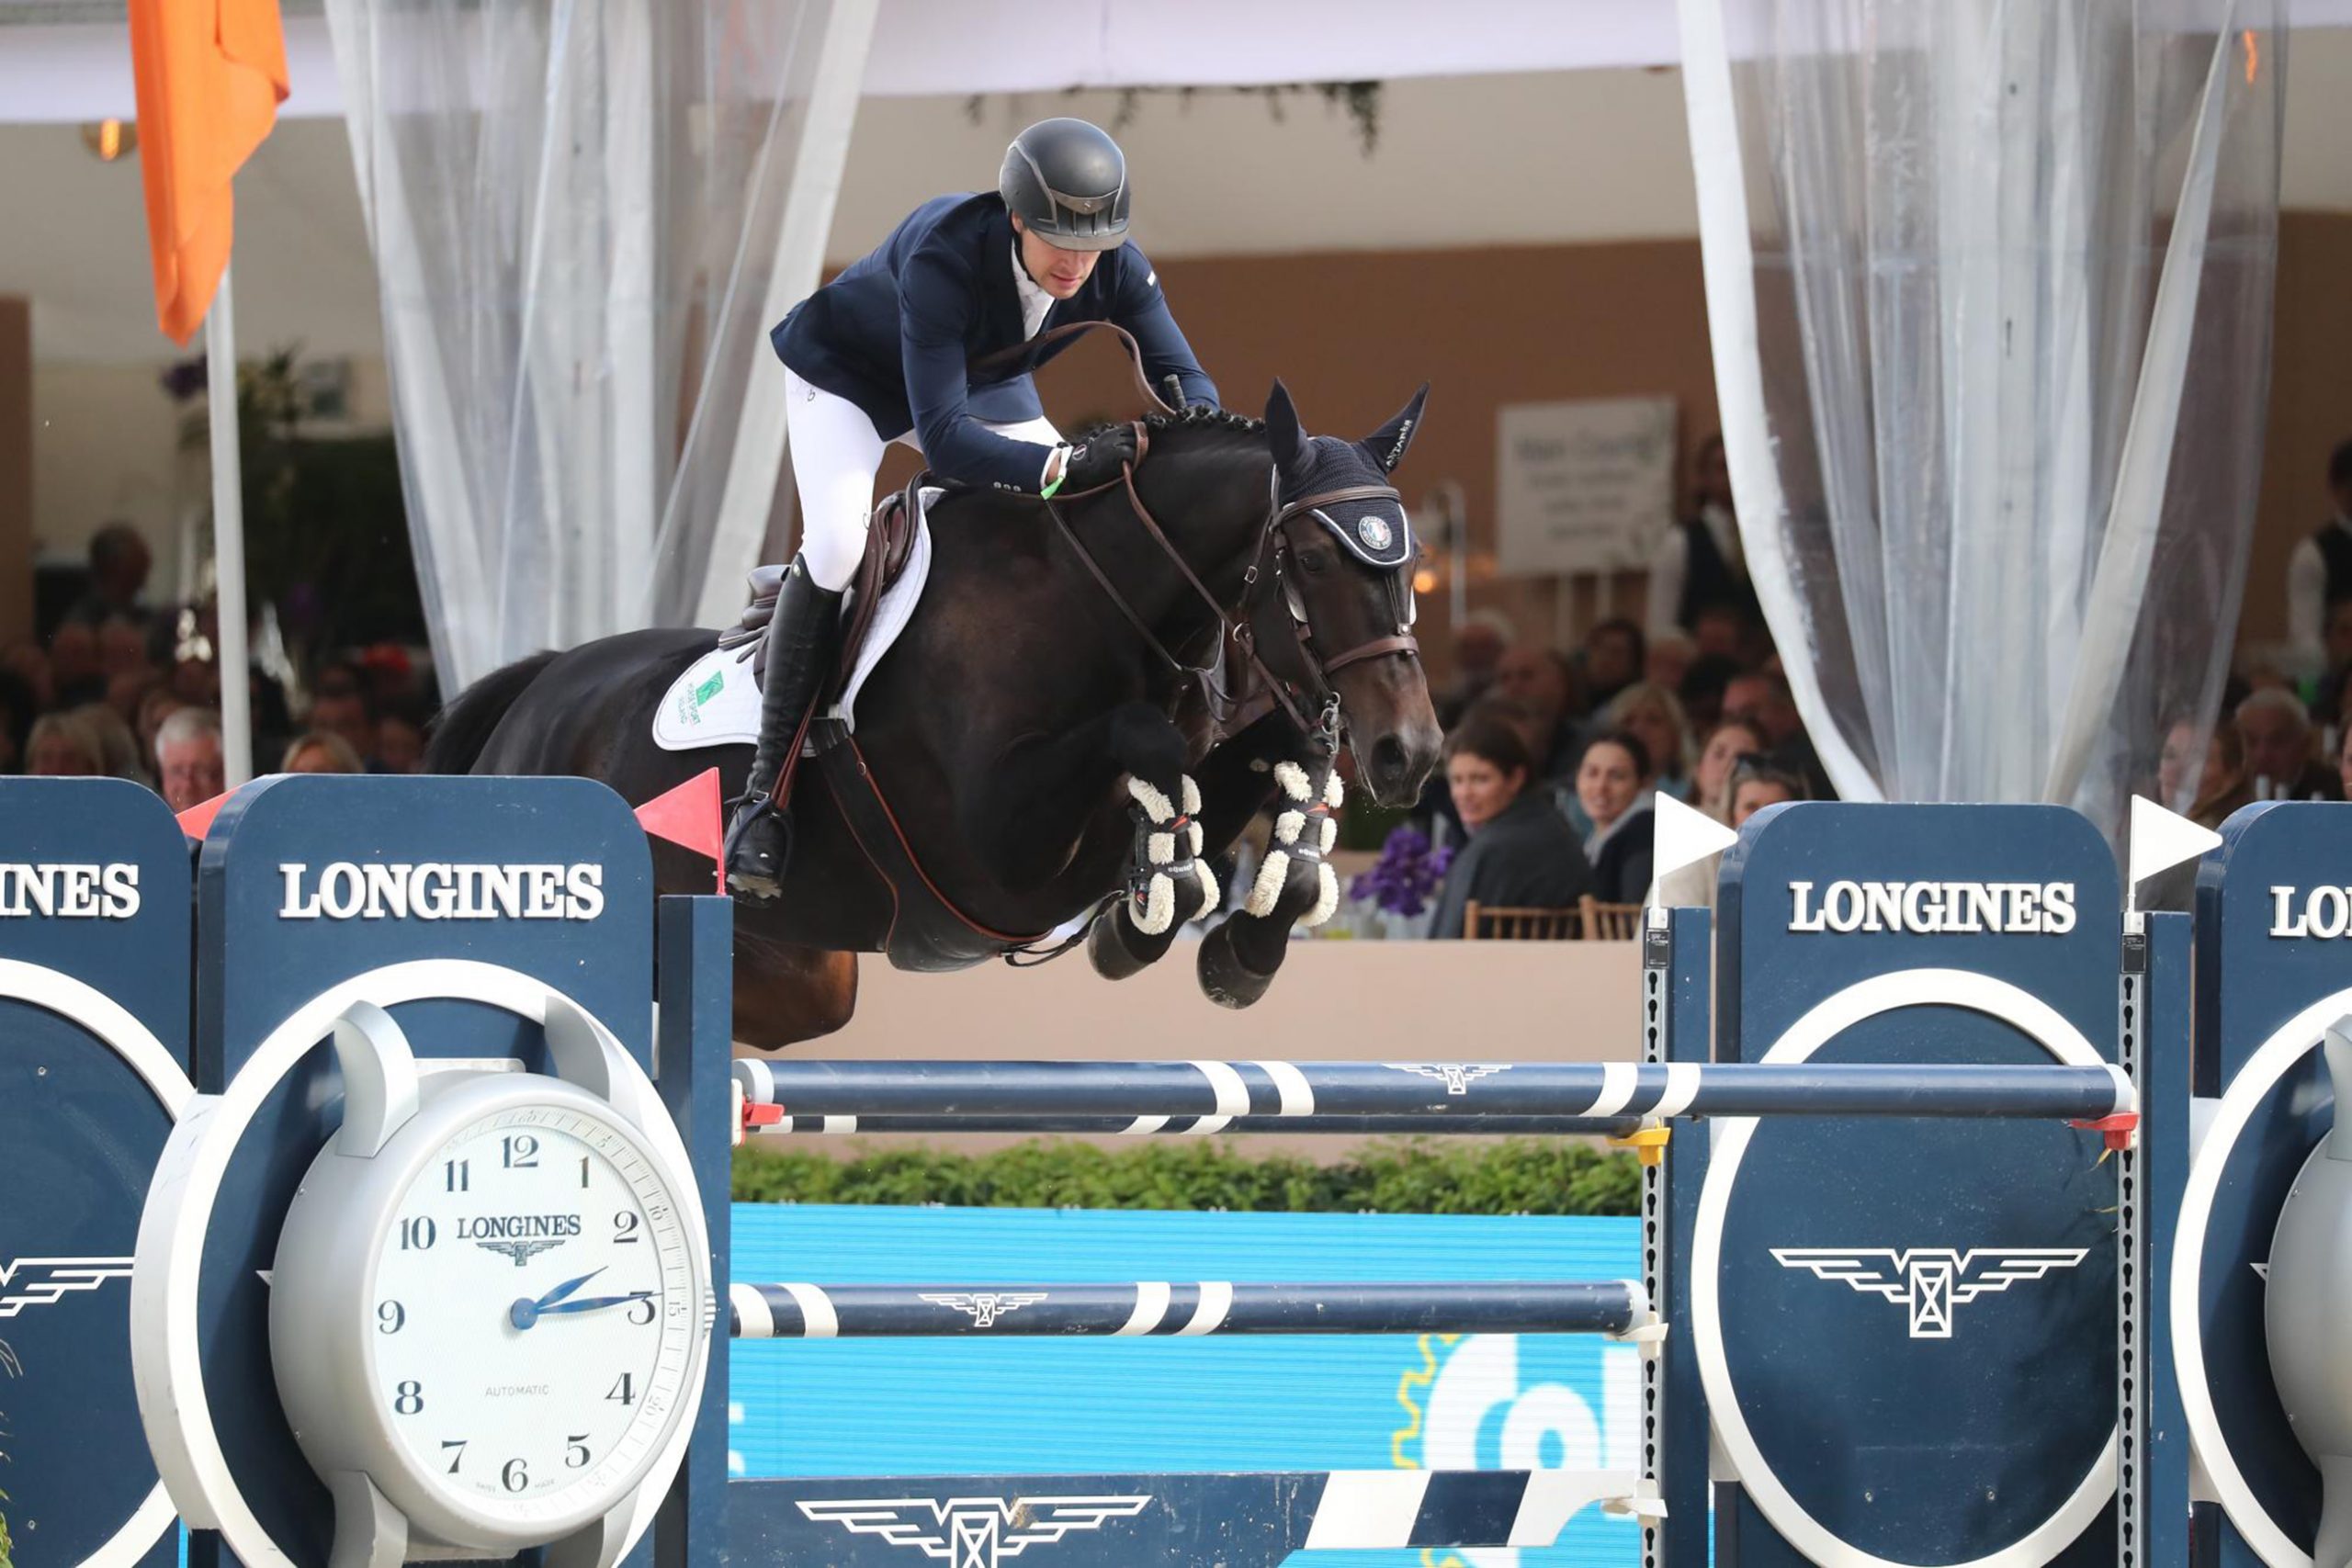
[(896, 333)]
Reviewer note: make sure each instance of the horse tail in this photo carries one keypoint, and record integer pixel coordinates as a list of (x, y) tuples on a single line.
[(461, 731)]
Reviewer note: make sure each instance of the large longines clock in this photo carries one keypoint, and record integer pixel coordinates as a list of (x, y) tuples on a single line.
[(487, 1315)]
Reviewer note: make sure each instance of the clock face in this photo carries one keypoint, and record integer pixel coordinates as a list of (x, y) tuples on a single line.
[(534, 1313)]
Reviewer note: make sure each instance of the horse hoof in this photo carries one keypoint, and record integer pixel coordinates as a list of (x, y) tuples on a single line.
[(1108, 949), (1225, 979)]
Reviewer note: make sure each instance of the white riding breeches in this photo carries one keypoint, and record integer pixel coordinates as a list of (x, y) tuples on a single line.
[(835, 455)]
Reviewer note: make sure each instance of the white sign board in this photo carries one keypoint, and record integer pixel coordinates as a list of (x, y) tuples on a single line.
[(1582, 487)]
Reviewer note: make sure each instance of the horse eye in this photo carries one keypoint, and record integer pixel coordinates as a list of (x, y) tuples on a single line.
[(1317, 562)]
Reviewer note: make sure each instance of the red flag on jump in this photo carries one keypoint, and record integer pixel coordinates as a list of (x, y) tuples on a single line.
[(689, 815), (197, 820)]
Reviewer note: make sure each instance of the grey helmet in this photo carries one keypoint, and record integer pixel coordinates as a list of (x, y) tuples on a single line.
[(1068, 182)]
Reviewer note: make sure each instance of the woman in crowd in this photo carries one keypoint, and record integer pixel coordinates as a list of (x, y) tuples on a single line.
[(1654, 714), (1519, 853), (321, 751), (2220, 785), (1613, 787), (1711, 779), (63, 746)]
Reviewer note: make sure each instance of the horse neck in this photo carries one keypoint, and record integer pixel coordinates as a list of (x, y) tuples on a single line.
[(1212, 506)]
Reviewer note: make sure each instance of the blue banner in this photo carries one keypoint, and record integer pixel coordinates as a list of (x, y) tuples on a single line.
[(912, 1408)]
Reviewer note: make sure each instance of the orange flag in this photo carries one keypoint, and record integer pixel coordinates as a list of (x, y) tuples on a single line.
[(211, 75)]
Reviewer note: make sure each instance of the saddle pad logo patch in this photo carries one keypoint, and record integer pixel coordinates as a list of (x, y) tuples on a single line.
[(692, 702)]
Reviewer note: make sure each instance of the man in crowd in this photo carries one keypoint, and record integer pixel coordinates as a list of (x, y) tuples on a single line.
[(187, 758), (1540, 681), (1479, 645), (119, 561), (1614, 655), (2278, 736), (1761, 699), (1698, 565), (2319, 570)]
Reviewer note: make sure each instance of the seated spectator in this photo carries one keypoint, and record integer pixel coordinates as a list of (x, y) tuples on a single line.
[(122, 648), (343, 703), (1761, 697), (1654, 714), (61, 747), (1541, 681), (157, 705), (1613, 787), (400, 740), (1711, 779), (188, 750), (1756, 785), (19, 708), (1669, 660), (1702, 690), (1613, 655), (1479, 645), (118, 743), (1519, 853), (73, 664), (29, 662), (321, 751), (1721, 631), (2277, 733)]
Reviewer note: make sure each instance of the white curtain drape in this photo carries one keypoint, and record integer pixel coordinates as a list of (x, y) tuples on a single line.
[(585, 216), (1989, 284)]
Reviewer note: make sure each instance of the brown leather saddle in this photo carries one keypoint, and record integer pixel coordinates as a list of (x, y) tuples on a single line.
[(890, 540)]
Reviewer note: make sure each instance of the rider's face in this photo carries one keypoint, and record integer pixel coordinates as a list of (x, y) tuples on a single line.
[(1058, 272)]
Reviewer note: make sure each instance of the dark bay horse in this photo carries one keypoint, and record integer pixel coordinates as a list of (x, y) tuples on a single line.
[(1058, 651)]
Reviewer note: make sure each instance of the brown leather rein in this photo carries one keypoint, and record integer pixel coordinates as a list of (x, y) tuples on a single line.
[(1237, 627)]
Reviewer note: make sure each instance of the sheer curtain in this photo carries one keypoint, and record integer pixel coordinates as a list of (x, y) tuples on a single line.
[(1989, 283), (584, 217)]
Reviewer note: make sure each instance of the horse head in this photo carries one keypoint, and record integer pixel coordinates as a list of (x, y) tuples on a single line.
[(1336, 629)]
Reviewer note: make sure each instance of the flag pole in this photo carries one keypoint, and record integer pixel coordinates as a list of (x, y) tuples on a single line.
[(228, 535)]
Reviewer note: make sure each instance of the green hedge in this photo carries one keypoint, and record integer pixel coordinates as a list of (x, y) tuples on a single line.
[(1415, 1177)]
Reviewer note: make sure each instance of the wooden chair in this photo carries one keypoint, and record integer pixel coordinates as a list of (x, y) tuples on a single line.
[(1496, 923), (1610, 922)]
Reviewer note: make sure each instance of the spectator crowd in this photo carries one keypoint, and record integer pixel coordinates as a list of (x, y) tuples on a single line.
[(124, 690)]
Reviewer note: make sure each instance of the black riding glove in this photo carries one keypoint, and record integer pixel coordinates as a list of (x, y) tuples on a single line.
[(1097, 461)]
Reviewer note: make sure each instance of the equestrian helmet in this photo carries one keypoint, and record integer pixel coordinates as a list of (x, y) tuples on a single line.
[(1067, 181)]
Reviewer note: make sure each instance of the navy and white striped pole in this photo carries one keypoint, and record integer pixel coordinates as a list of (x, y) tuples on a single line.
[(1618, 1309), (1147, 1094), (1472, 1125)]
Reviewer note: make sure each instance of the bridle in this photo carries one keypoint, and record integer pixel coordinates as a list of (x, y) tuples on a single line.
[(1270, 571)]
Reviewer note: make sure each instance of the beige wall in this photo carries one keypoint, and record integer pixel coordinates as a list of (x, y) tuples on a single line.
[(106, 445), (1501, 1001), (1352, 334)]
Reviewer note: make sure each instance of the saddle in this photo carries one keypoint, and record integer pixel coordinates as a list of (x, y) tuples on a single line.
[(890, 539)]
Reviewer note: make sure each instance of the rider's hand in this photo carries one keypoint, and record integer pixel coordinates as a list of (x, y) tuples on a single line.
[(1098, 461)]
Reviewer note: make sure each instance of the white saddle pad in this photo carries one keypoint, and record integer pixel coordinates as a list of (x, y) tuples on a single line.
[(715, 703)]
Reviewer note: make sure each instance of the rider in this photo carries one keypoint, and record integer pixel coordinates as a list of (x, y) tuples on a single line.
[(883, 354)]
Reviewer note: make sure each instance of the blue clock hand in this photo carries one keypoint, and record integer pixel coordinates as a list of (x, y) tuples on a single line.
[(596, 1303), (525, 1312)]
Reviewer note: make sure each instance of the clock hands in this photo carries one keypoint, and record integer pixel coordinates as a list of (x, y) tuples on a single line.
[(595, 1303), (524, 1314)]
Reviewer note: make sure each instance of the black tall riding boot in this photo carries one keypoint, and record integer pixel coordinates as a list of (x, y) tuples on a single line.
[(803, 638)]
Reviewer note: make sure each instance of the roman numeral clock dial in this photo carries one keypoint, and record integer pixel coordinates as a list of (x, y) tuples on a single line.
[(492, 1301)]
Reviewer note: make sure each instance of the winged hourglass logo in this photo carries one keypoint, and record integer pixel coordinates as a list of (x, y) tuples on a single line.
[(973, 1532), (1930, 1280), (42, 1281)]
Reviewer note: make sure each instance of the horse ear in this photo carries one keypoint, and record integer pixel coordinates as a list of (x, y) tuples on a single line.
[(1387, 443), (1283, 433)]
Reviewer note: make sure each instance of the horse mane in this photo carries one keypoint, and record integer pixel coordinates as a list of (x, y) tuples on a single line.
[(1197, 418)]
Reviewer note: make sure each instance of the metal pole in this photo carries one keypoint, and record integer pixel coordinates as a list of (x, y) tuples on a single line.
[(228, 535), (1477, 1126), (1435, 1090), (1210, 1306)]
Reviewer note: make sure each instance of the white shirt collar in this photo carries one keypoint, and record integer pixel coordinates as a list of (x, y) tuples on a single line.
[(1035, 301)]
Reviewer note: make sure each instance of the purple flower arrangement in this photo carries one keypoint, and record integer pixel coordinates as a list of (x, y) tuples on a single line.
[(1406, 876)]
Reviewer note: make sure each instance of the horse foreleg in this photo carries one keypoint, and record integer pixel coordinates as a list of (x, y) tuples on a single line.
[(1234, 787), (1295, 885), (1026, 809)]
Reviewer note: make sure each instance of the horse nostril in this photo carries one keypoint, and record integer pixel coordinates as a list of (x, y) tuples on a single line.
[(1389, 757)]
